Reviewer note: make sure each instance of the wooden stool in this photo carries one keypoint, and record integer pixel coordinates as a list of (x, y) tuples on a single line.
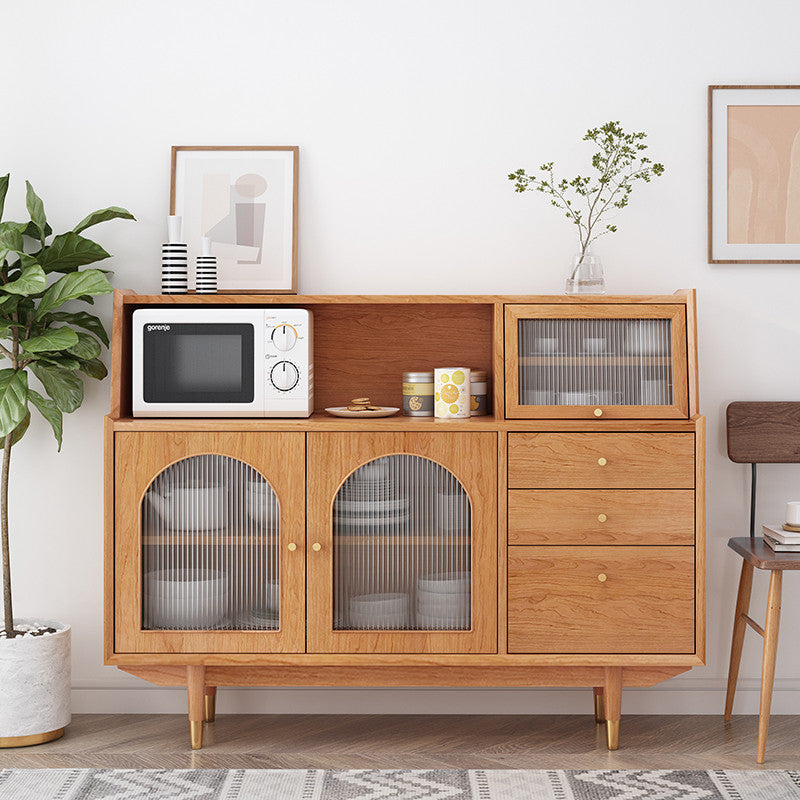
[(759, 555)]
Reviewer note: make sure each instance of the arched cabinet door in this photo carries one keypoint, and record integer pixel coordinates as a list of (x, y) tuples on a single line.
[(209, 542), (402, 543)]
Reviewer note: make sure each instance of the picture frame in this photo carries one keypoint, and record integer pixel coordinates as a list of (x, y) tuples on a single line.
[(244, 199), (753, 188)]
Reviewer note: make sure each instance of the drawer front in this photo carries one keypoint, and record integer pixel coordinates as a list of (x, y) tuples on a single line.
[(601, 461), (601, 599), (601, 516)]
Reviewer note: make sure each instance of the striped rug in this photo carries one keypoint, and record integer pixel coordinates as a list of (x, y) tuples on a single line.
[(252, 784)]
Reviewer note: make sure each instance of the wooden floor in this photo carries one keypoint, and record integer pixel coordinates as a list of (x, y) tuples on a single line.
[(151, 741)]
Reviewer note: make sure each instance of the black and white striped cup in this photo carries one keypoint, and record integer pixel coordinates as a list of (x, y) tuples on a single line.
[(206, 275)]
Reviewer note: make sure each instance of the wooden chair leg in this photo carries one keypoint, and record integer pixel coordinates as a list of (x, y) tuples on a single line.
[(612, 694), (742, 607), (768, 662), (195, 690), (599, 707), (211, 703)]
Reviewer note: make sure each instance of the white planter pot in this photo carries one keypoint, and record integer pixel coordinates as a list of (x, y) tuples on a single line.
[(35, 684)]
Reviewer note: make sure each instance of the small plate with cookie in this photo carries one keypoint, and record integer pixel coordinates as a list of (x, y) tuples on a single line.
[(362, 407)]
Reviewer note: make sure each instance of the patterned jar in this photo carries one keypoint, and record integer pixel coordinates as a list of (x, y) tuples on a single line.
[(451, 398), (479, 392), (418, 394)]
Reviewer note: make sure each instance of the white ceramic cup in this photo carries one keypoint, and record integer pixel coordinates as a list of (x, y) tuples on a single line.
[(652, 392), (573, 398), (547, 344), (793, 512), (594, 344), (539, 397)]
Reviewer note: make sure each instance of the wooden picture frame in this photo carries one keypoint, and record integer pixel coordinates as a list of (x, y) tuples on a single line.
[(245, 200), (753, 190)]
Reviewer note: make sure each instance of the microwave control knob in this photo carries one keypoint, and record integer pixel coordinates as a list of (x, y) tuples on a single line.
[(284, 376), (284, 337)]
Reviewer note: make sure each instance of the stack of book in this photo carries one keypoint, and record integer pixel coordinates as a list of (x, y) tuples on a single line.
[(780, 539)]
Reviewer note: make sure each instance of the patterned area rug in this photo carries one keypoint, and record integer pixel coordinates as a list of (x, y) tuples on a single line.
[(251, 784)]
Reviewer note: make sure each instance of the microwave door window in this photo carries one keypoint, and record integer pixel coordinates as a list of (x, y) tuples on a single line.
[(199, 363)]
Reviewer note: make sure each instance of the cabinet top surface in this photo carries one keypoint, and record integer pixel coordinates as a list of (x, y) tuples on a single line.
[(129, 297)]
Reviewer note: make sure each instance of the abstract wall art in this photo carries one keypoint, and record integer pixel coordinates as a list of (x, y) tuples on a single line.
[(244, 200)]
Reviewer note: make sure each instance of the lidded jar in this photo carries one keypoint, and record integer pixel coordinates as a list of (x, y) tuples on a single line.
[(479, 392), (418, 394)]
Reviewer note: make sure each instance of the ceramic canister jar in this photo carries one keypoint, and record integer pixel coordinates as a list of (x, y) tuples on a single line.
[(418, 394), (452, 392), (479, 392)]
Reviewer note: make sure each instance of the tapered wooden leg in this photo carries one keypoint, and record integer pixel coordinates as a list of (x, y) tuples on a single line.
[(768, 662), (742, 607), (195, 690), (612, 695), (211, 703), (599, 707)]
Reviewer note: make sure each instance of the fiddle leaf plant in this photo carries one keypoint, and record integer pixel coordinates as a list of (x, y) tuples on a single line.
[(57, 345)]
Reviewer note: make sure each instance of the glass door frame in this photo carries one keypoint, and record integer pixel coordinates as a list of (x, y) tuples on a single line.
[(472, 459), (674, 312)]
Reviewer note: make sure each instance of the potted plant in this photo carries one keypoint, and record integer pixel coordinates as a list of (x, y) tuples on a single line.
[(619, 162), (57, 345)]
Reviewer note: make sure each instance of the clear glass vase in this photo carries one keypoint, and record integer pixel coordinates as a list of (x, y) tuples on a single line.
[(586, 275)]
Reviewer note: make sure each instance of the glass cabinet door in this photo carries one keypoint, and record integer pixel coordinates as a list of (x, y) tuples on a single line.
[(203, 561), (601, 361), (402, 535)]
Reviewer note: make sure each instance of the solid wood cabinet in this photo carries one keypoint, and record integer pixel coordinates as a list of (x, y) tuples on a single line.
[(556, 541)]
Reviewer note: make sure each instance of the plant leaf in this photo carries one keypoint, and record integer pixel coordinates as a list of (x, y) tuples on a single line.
[(112, 212), (31, 281), (32, 230), (19, 431), (81, 319), (54, 339), (48, 409), (68, 251), (35, 208), (10, 239), (3, 189), (89, 282), (94, 368), (63, 385), (13, 399), (86, 348), (58, 360)]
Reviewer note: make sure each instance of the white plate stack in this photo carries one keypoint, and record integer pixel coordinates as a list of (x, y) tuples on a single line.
[(370, 501), (443, 601), (383, 611)]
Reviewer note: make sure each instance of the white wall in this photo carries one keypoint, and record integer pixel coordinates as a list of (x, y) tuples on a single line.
[(408, 117)]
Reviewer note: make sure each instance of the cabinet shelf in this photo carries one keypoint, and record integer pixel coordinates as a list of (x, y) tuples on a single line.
[(400, 540), (595, 361), (208, 539)]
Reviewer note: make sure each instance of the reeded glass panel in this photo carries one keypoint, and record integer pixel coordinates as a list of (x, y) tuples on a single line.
[(598, 362), (210, 548), (401, 534)]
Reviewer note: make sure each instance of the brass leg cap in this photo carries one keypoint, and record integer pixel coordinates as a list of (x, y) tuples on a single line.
[(612, 734), (196, 734), (211, 707), (599, 709), (31, 739)]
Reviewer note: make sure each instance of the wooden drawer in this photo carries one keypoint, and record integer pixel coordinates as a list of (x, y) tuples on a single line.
[(558, 602), (601, 461), (601, 516)]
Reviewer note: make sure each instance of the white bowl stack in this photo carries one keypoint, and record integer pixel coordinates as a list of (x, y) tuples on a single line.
[(383, 611), (443, 601), (186, 598)]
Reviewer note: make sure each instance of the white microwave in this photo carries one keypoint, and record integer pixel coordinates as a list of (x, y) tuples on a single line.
[(222, 362)]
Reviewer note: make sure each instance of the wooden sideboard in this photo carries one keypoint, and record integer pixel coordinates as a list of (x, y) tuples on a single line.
[(574, 510)]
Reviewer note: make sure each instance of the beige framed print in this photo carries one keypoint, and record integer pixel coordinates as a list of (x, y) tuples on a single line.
[(244, 200), (754, 175)]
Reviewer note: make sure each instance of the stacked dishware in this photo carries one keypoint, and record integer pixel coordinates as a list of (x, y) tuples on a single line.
[(443, 601), (370, 502), (185, 598), (205, 276), (383, 611), (174, 260)]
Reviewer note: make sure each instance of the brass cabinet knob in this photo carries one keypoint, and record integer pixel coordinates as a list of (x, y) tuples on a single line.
[(598, 412), (601, 517), (602, 462), (602, 577), (292, 547), (316, 547)]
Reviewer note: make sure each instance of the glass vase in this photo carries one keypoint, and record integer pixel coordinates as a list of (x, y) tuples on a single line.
[(586, 275)]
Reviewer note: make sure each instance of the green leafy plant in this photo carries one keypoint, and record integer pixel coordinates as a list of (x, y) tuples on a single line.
[(587, 200), (38, 335)]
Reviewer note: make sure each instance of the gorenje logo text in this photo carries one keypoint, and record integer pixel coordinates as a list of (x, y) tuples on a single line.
[(158, 328)]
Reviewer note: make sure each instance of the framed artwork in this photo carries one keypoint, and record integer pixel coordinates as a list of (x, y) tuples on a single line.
[(244, 200), (754, 174)]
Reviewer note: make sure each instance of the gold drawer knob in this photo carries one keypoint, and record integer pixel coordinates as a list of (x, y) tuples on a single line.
[(602, 462), (316, 547), (598, 412), (602, 577), (292, 547), (601, 517)]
